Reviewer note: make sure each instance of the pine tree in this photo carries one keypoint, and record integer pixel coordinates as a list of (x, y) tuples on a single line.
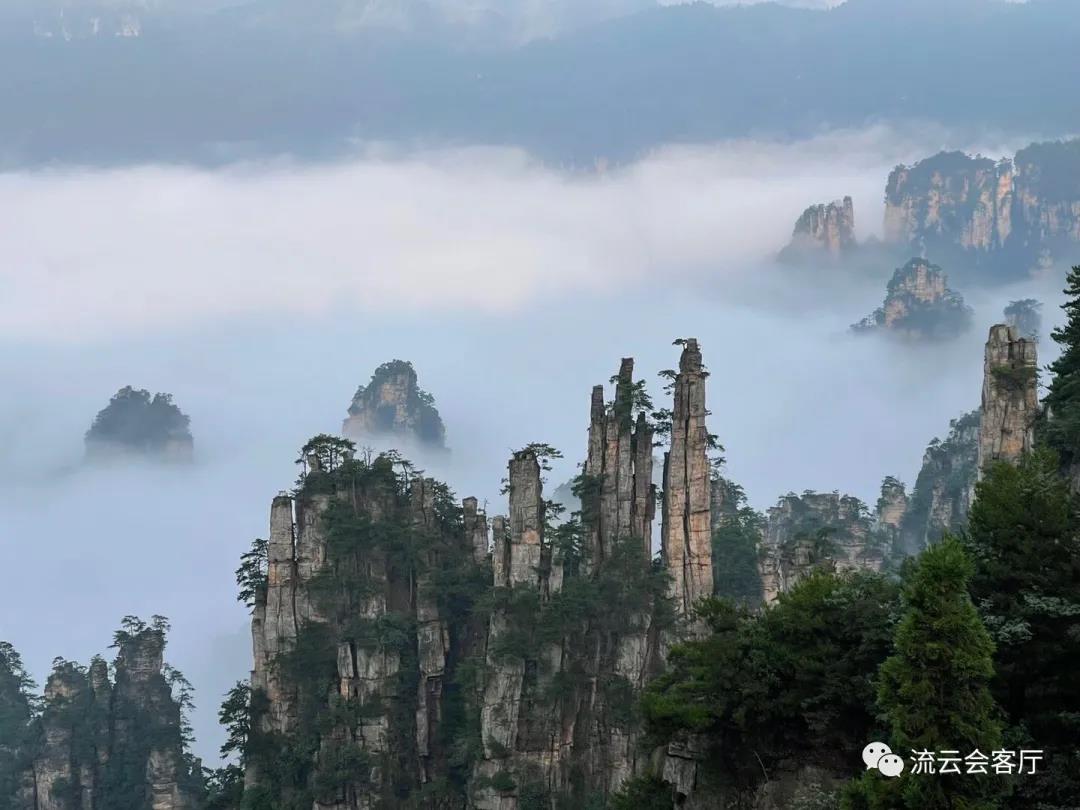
[(17, 711), (1061, 429), (1024, 541), (934, 691)]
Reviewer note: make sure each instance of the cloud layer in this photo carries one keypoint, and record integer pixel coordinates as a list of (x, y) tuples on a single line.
[(94, 253)]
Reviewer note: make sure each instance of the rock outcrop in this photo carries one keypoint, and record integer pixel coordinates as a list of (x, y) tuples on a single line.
[(941, 498), (816, 530), (413, 662), (824, 230), (106, 744), (1025, 316), (620, 462), (919, 305), (392, 406), (1009, 217), (687, 505), (1010, 397), (138, 424)]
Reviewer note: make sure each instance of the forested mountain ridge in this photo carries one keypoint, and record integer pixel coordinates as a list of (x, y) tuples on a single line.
[(411, 651)]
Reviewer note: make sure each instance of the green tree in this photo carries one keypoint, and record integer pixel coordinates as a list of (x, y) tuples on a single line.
[(251, 575), (18, 707), (1024, 542), (793, 681), (1061, 428), (735, 548), (934, 691)]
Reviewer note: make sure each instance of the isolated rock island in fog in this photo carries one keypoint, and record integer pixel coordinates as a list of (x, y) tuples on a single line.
[(823, 231), (393, 405), (138, 424), (919, 305)]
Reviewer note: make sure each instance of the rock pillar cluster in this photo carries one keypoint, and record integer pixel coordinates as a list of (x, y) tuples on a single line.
[(686, 535), (813, 530), (103, 741), (1010, 397), (620, 466)]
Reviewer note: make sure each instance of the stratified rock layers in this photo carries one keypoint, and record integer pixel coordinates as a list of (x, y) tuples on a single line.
[(103, 742), (686, 533), (1010, 396), (393, 406), (1018, 216), (816, 530), (822, 230)]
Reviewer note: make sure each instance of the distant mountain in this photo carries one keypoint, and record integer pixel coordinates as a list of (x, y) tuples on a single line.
[(279, 75)]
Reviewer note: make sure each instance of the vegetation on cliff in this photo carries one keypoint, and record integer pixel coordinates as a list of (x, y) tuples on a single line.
[(393, 404), (139, 423), (116, 742), (919, 304)]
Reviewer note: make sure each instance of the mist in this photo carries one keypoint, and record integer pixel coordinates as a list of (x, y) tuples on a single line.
[(260, 296)]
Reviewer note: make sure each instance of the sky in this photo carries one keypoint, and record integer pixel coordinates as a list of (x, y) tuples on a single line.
[(262, 294)]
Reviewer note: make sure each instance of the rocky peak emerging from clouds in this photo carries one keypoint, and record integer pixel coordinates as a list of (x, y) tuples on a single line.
[(394, 406), (823, 230), (919, 304)]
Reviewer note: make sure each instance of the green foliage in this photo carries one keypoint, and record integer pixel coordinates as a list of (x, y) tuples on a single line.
[(138, 421), (235, 716), (646, 792), (735, 542), (1061, 430), (1026, 316), (950, 468), (1024, 541), (937, 320), (251, 575), (934, 690), (419, 403), (793, 681), (1014, 379), (18, 708), (330, 451), (223, 788)]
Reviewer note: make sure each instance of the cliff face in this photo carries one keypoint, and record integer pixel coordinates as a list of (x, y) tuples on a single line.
[(814, 530), (392, 405), (1010, 397), (823, 230), (941, 498), (115, 745), (1013, 216), (687, 506), (918, 304), (398, 662)]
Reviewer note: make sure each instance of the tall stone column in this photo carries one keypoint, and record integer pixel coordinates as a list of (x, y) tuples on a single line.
[(687, 546), (1010, 397), (620, 460)]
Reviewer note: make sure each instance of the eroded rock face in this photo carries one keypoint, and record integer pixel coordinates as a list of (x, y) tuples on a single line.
[(944, 488), (816, 529), (918, 304), (97, 737), (393, 406), (1010, 397), (686, 532), (1014, 216), (823, 230), (620, 460)]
